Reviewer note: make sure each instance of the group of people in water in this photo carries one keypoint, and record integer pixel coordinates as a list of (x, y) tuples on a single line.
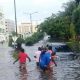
[(44, 57)]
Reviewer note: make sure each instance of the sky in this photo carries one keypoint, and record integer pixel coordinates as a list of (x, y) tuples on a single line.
[(41, 9)]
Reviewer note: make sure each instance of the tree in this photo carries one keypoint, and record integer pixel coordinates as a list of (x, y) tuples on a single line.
[(76, 19), (56, 27), (20, 40), (62, 24), (72, 31), (13, 33), (34, 38), (69, 8), (77, 2)]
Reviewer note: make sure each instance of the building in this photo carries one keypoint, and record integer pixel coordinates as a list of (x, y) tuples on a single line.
[(2, 24), (25, 28), (9, 26), (2, 27), (34, 27)]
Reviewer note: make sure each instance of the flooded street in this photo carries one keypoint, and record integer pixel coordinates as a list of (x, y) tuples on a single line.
[(67, 69), (39, 39), (6, 66)]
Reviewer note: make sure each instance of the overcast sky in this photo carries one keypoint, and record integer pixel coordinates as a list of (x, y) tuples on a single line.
[(24, 7)]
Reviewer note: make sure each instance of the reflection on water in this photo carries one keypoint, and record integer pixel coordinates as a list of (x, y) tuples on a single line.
[(23, 74), (47, 76)]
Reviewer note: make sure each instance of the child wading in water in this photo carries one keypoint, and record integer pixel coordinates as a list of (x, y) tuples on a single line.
[(22, 59), (53, 56), (37, 55)]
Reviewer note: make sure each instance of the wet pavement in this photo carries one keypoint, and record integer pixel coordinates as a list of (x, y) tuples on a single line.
[(6, 71), (67, 69)]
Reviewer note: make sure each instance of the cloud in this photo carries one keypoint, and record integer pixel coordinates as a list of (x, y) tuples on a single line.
[(44, 8)]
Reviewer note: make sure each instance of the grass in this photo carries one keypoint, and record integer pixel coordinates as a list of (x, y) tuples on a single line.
[(15, 54), (74, 45)]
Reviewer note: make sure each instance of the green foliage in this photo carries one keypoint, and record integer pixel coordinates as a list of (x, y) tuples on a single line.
[(20, 40), (34, 38), (13, 33), (63, 25), (76, 19), (72, 31), (74, 45), (56, 27), (15, 54), (69, 8), (77, 2), (10, 41)]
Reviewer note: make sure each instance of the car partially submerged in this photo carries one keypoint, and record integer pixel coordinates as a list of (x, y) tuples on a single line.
[(63, 51), (61, 47)]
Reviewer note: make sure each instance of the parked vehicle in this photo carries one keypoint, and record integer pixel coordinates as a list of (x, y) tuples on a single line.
[(61, 47), (62, 50)]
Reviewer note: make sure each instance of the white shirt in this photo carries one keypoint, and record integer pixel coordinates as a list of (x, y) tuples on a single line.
[(37, 54)]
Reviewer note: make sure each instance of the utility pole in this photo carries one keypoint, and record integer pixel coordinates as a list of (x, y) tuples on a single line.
[(30, 14), (15, 15), (31, 22)]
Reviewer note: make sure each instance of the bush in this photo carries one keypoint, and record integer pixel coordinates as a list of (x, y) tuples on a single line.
[(74, 45), (34, 38), (15, 54), (29, 41), (20, 40)]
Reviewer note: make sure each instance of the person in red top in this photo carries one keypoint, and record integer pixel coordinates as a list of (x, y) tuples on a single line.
[(22, 56)]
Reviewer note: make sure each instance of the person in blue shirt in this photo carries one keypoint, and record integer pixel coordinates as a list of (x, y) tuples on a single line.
[(44, 60)]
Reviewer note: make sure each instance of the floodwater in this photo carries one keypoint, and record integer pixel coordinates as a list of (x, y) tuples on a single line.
[(67, 68)]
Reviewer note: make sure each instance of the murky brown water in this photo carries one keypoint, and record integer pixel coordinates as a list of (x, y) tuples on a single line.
[(67, 69)]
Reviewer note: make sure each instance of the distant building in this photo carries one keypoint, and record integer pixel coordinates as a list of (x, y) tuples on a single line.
[(25, 28), (9, 26), (2, 24), (34, 28), (2, 27)]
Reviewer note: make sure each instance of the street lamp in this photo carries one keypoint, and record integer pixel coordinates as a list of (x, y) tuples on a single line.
[(31, 19), (15, 15)]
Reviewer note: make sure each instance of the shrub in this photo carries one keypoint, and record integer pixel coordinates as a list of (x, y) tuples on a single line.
[(15, 54), (34, 38), (74, 45), (20, 40)]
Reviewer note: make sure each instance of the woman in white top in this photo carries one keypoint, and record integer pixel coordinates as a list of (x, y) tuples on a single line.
[(37, 55)]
